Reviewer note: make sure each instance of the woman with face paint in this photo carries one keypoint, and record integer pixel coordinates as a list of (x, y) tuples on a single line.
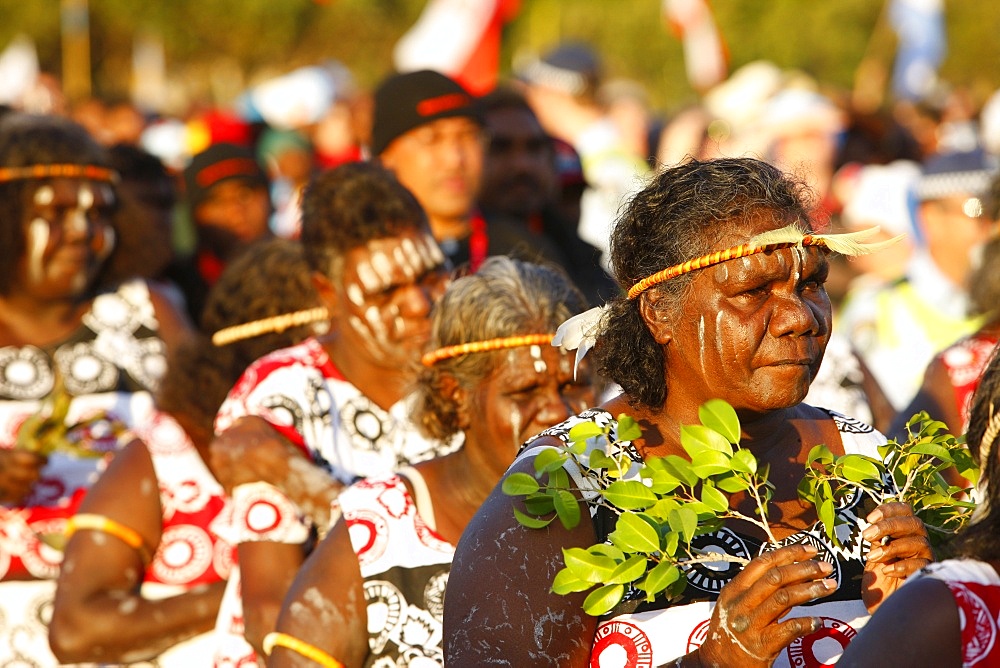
[(723, 279), (61, 340), (491, 374), (342, 398)]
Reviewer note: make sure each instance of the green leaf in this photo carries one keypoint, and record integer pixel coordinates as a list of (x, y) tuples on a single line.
[(629, 570), (567, 508), (633, 533), (685, 522), (558, 479), (587, 566), (933, 450), (583, 431), (600, 461), (660, 577), (567, 583), (828, 517), (628, 429), (680, 468), (744, 461), (713, 498), (719, 416), (531, 522), (629, 495), (695, 438), (710, 462), (858, 468), (539, 504), (820, 453), (603, 599), (550, 459), (519, 484), (731, 483), (609, 551)]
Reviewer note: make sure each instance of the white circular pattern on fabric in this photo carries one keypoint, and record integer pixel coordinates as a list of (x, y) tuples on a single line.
[(39, 559), (150, 362), (822, 648), (263, 516), (163, 436), (369, 535), (84, 371), (434, 594), (385, 610), (111, 311), (980, 641), (25, 373), (621, 644), (185, 553)]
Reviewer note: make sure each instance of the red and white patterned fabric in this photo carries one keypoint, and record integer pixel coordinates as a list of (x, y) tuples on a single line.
[(975, 587), (304, 396), (656, 634), (405, 567), (109, 365), (965, 362)]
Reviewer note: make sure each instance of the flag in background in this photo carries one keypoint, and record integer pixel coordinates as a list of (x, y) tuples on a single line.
[(706, 59), (919, 25), (460, 38)]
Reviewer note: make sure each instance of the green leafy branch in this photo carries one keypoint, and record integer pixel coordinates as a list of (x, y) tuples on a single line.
[(911, 471), (675, 500)]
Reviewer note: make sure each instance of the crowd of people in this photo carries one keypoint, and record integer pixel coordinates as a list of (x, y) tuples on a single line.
[(260, 392)]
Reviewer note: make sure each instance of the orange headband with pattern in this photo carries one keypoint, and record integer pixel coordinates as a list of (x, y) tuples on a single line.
[(792, 235), (58, 171), (435, 356)]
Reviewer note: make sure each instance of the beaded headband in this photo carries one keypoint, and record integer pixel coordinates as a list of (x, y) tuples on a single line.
[(58, 171), (793, 235), (276, 323), (435, 356)]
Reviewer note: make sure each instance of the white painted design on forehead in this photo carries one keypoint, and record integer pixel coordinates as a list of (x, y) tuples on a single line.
[(355, 294), (367, 276), (85, 198), (701, 341), (413, 256), (409, 269), (382, 266), (536, 355), (38, 239), (44, 195)]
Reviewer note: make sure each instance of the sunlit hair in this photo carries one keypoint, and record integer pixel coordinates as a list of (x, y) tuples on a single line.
[(681, 214), (270, 278), (981, 539), (27, 139), (348, 206), (504, 298)]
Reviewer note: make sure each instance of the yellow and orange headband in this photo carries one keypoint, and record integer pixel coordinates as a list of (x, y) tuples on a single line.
[(851, 243), (92, 172), (435, 356)]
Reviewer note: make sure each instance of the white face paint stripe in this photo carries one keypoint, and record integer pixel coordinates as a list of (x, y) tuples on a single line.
[(369, 279), (44, 195), (38, 239), (355, 294), (382, 267), (85, 198), (539, 363)]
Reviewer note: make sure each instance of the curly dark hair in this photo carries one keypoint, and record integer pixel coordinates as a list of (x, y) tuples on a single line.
[(681, 214), (505, 297), (270, 278), (28, 139), (347, 206), (981, 539)]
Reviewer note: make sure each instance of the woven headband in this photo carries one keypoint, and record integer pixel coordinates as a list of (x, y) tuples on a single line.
[(93, 172), (435, 356), (851, 243), (276, 323)]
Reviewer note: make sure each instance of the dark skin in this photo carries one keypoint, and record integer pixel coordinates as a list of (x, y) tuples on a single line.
[(751, 332), (50, 294), (99, 613), (377, 328), (326, 605)]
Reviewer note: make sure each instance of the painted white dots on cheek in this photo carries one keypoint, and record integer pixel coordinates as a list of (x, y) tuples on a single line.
[(77, 218), (38, 239), (44, 196)]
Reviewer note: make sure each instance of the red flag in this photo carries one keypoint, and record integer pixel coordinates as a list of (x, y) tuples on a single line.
[(460, 38)]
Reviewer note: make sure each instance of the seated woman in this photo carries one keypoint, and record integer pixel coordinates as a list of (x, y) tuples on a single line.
[(948, 612), (77, 363), (492, 375), (724, 300), (142, 579)]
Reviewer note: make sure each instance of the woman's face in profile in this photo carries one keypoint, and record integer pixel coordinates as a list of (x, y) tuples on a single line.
[(753, 330)]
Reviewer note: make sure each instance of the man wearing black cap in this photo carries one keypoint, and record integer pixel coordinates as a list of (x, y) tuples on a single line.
[(427, 130), (226, 192)]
